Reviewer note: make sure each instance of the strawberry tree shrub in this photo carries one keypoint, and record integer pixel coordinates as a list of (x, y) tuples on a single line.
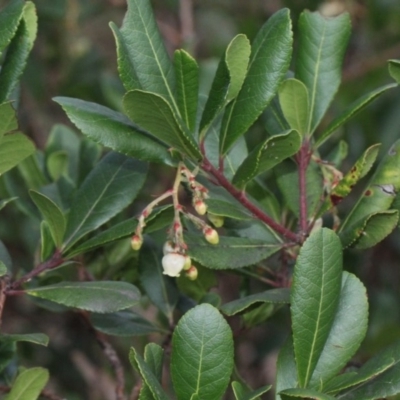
[(266, 212)]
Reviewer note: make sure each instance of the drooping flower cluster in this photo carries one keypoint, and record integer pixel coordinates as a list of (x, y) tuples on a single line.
[(175, 259)]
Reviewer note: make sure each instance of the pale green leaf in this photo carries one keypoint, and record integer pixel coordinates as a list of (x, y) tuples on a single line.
[(36, 338), (28, 384), (394, 69), (242, 392), (9, 21), (8, 119), (304, 394), (293, 98)]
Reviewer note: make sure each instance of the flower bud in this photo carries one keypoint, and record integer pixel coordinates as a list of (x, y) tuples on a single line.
[(173, 264), (192, 273), (200, 207), (136, 242), (188, 263), (216, 220), (211, 235)]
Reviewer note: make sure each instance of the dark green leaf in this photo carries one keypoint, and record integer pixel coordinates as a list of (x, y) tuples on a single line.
[(160, 288), (114, 130), (47, 245), (123, 323), (107, 190), (231, 252), (3, 269), (100, 297), (286, 373), (4, 202), (126, 67), (269, 61), (146, 51), (314, 298), (153, 356), (8, 119), (153, 113), (147, 375), (242, 392), (347, 332), (322, 45), (225, 209), (202, 354), (266, 155), (37, 338), (275, 296), (29, 384), (352, 110), (7, 353), (9, 21), (187, 88), (15, 61), (5, 256), (394, 69), (51, 214), (294, 101), (14, 148), (304, 394), (383, 374)]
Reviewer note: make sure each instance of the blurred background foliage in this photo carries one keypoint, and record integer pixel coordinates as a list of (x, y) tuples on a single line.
[(74, 56)]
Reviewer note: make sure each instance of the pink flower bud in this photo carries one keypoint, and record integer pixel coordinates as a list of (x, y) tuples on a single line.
[(192, 273), (200, 207), (211, 235), (136, 242)]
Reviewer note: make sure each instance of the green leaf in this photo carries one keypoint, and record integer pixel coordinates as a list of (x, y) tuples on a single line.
[(378, 196), (383, 372), (31, 21), (237, 60), (7, 354), (269, 61), (14, 148), (15, 61), (57, 164), (146, 51), (394, 69), (350, 111), (160, 288), (153, 113), (4, 202), (356, 172), (187, 88), (231, 252), (314, 298), (36, 338), (126, 67), (107, 190), (8, 119), (9, 21), (202, 354), (304, 394), (275, 296), (114, 130), (241, 392), (266, 155), (227, 209), (28, 384), (323, 42), (100, 297), (286, 372), (347, 332), (147, 375), (294, 101), (47, 245), (227, 81), (153, 356), (51, 214), (3, 269), (5, 256), (123, 323)]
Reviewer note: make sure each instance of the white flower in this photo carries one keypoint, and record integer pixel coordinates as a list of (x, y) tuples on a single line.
[(173, 264)]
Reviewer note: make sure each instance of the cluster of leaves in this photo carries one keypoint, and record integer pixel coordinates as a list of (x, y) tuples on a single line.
[(77, 198)]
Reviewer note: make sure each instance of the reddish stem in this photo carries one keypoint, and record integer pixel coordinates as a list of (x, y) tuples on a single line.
[(303, 159), (241, 196)]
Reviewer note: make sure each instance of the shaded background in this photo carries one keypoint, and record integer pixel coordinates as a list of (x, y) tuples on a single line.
[(74, 56)]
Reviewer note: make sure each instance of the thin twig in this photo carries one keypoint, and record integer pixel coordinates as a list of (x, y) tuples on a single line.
[(53, 262), (112, 357), (241, 197)]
